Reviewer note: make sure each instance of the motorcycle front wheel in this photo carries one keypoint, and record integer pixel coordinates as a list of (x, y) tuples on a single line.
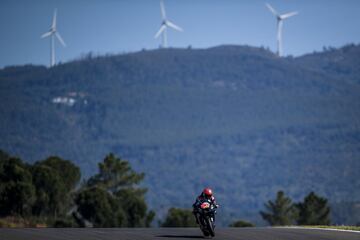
[(210, 227)]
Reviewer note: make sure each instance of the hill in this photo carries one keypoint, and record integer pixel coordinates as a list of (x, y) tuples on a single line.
[(236, 118)]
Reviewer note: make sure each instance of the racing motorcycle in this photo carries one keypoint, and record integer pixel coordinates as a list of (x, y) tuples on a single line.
[(206, 218)]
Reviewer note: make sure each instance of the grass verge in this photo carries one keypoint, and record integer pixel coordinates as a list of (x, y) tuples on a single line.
[(354, 228)]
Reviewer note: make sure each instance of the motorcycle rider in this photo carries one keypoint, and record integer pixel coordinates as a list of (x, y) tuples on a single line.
[(206, 195)]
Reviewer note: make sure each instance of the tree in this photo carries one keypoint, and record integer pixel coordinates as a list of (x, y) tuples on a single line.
[(3, 156), (50, 191), (115, 174), (313, 211), (241, 223), (149, 218), (69, 173), (134, 205), (54, 179), (99, 207), (17, 192), (178, 217), (281, 212), (120, 181)]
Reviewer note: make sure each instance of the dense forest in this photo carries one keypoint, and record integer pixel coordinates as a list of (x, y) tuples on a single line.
[(48, 193), (236, 118)]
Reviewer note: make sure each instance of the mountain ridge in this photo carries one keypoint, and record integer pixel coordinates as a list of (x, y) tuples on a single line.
[(224, 116)]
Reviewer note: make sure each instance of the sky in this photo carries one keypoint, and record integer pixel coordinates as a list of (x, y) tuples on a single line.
[(121, 26)]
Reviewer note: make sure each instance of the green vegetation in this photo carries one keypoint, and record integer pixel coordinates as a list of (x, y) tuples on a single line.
[(47, 194), (100, 208), (40, 192), (54, 179), (281, 212), (178, 217), (241, 223), (354, 228), (314, 210), (225, 116), (16, 190), (110, 198)]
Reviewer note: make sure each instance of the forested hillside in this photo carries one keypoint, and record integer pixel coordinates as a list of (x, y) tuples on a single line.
[(236, 118)]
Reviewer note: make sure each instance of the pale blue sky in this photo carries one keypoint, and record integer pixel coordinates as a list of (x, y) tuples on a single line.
[(116, 26)]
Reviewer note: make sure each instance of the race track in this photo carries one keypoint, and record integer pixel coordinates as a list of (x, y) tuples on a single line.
[(173, 233)]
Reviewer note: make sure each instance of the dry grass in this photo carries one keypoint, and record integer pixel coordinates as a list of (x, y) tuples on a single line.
[(17, 222)]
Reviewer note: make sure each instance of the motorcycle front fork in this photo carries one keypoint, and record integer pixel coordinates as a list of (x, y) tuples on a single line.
[(197, 218)]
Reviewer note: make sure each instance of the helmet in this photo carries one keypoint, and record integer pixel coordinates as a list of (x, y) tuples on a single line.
[(207, 192)]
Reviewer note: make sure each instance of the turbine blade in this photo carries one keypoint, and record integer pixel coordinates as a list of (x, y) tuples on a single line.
[(46, 34), (162, 8), (173, 26), (60, 39), (287, 15), (162, 28), (54, 19), (271, 9)]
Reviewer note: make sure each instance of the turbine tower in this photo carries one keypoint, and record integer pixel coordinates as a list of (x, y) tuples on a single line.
[(52, 33), (164, 25), (280, 19)]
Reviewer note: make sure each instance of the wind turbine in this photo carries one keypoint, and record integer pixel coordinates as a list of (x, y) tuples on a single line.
[(164, 25), (53, 33), (280, 19)]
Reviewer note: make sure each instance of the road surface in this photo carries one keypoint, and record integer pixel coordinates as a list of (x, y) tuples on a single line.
[(173, 233)]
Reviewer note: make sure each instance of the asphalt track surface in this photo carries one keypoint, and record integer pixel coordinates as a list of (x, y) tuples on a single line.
[(172, 233)]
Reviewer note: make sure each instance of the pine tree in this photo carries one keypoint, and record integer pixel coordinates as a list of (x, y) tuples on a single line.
[(116, 187), (281, 212), (313, 211), (115, 174)]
